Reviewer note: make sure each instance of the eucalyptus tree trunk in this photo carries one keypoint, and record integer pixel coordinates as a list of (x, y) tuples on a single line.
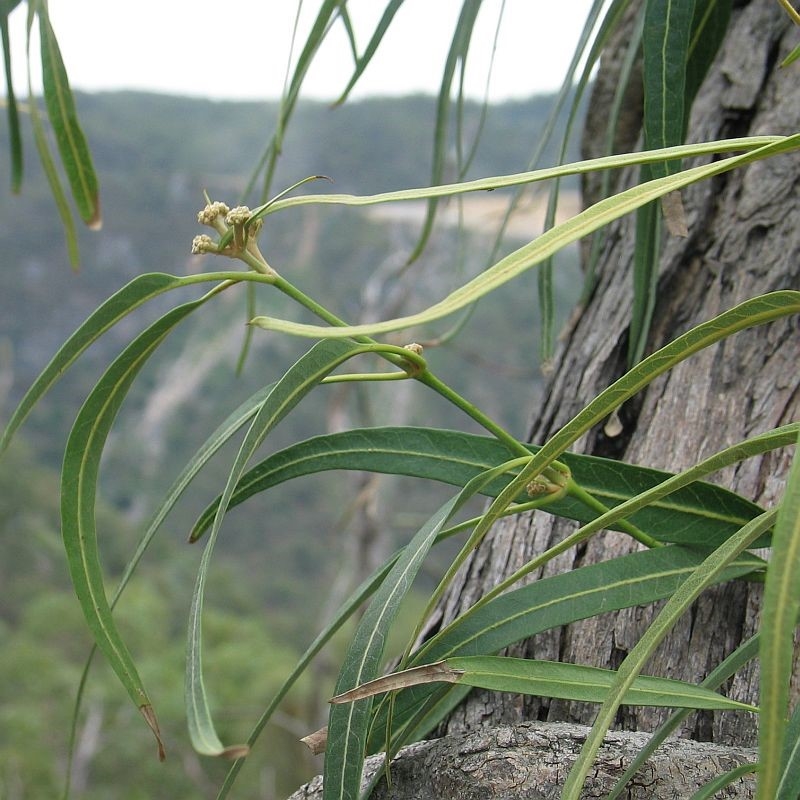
[(743, 240)]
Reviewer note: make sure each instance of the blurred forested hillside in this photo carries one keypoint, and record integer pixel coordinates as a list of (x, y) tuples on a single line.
[(155, 156)]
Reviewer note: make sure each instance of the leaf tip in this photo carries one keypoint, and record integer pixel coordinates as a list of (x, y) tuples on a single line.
[(95, 222), (236, 751), (316, 741), (150, 718)]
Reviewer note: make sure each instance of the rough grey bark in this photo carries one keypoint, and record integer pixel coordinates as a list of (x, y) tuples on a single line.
[(529, 761), (743, 240)]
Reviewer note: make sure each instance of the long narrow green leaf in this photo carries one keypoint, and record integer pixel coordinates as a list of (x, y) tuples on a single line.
[(534, 252), (679, 42), (576, 682), (779, 611), (138, 292), (212, 444), (78, 489), (46, 159), (298, 381), (665, 45), (635, 579), (702, 513), (347, 727), (362, 62), (12, 112), (75, 155), (706, 574)]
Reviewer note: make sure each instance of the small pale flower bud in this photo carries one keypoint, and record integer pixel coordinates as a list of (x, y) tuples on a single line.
[(203, 244), (238, 215), (210, 213), (414, 348)]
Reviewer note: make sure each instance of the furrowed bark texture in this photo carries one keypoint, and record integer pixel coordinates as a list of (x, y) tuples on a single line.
[(743, 240), (529, 761)]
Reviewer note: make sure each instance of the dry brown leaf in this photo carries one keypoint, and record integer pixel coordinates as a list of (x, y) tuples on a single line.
[(428, 673)]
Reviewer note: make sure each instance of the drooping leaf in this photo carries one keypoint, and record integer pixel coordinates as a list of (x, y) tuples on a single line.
[(78, 490), (72, 145), (212, 444), (12, 112), (46, 159), (298, 381)]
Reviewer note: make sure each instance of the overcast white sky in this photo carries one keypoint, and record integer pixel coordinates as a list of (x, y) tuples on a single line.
[(238, 49)]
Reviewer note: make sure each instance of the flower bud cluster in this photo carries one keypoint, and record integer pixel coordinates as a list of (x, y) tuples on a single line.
[(204, 244), (212, 212), (238, 215)]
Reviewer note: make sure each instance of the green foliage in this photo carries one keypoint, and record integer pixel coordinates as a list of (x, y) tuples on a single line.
[(695, 535)]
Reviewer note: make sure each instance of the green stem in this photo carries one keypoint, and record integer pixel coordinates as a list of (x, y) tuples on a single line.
[(425, 376), (579, 493), (429, 379)]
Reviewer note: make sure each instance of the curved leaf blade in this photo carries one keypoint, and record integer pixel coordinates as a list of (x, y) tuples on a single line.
[(298, 381), (695, 513), (78, 491), (204, 454), (135, 294), (533, 253), (72, 145)]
